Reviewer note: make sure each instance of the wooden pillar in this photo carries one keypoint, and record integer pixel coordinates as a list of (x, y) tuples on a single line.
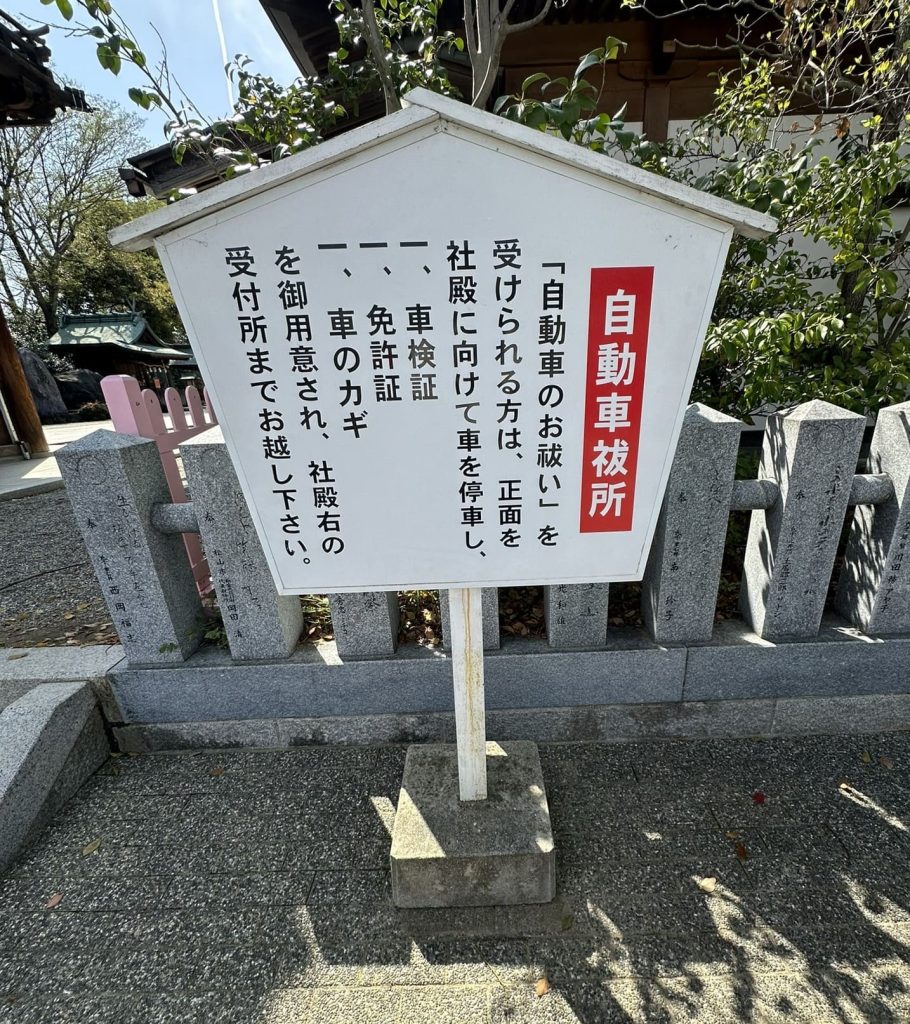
[(17, 394), (656, 120)]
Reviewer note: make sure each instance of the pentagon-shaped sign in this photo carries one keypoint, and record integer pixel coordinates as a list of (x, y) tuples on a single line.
[(447, 350)]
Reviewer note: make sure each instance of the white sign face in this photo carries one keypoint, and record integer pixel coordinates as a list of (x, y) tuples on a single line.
[(445, 361)]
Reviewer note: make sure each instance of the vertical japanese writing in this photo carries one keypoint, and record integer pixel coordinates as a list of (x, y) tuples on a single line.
[(462, 294), (551, 339), (253, 329), (507, 285), (618, 325)]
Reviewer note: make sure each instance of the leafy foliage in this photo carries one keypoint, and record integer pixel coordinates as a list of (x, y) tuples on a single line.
[(96, 276), (52, 178), (820, 309), (270, 120), (405, 34)]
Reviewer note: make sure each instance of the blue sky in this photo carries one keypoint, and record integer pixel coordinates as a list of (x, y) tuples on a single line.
[(194, 54)]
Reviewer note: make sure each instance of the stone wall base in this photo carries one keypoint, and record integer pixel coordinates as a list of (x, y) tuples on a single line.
[(609, 723), (737, 684)]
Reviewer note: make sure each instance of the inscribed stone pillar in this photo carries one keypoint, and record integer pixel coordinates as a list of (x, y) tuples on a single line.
[(576, 614), (490, 606), (811, 452), (258, 622), (679, 589), (113, 482), (874, 586), (366, 623)]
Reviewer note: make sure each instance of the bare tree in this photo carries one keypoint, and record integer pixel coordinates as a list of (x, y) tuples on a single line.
[(487, 27), (51, 178)]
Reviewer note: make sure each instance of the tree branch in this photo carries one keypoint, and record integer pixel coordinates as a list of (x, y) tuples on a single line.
[(374, 42)]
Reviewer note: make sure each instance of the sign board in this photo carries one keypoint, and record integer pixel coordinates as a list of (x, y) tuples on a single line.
[(446, 350)]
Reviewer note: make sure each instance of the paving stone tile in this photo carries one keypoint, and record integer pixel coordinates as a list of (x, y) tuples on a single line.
[(49, 930), (24, 895), (204, 892), (744, 808), (583, 1000), (701, 847), (161, 1008), (458, 1005), (264, 890), (111, 804), (109, 860), (782, 858), (74, 837), (771, 999), (637, 902), (13, 929), (113, 970), (634, 806)]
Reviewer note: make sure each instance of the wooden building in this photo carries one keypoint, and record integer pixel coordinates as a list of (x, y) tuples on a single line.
[(666, 73), (29, 95), (109, 343)]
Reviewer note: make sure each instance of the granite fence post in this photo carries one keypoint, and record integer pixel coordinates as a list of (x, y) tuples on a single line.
[(874, 586), (113, 482), (489, 602), (811, 453), (365, 623), (679, 589), (258, 622), (576, 614)]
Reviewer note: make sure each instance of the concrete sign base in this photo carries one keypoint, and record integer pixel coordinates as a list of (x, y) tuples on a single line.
[(448, 852)]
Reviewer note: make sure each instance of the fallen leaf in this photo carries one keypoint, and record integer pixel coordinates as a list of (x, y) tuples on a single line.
[(758, 797), (866, 757), (92, 847), (741, 852), (708, 884), (542, 987), (54, 901), (69, 615), (217, 770), (732, 836), (885, 761)]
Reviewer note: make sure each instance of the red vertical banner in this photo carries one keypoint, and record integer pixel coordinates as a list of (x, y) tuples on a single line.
[(619, 320)]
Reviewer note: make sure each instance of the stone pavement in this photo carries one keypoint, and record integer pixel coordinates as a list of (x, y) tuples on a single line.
[(710, 881), (22, 477)]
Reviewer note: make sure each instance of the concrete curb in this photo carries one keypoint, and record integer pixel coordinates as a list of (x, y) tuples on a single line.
[(51, 740), (23, 668), (11, 491)]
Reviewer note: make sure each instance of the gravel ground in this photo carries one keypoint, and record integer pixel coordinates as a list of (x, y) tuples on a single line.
[(48, 592)]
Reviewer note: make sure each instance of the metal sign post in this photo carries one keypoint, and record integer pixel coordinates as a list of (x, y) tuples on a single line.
[(466, 624)]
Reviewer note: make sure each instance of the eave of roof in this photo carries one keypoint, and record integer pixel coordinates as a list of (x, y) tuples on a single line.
[(424, 108), (78, 332)]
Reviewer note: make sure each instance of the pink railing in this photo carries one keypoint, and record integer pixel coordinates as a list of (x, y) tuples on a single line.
[(137, 411)]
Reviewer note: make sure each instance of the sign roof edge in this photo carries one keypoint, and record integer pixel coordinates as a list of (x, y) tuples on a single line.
[(141, 233), (424, 107), (744, 220)]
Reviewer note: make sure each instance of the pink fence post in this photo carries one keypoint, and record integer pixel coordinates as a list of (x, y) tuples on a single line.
[(209, 408), (137, 411)]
